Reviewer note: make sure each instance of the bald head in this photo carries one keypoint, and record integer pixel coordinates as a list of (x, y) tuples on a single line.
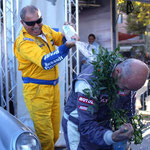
[(28, 9), (131, 74)]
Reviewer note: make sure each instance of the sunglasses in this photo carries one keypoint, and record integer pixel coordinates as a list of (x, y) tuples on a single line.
[(32, 23)]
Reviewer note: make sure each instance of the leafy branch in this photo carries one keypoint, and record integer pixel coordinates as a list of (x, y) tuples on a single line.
[(102, 82)]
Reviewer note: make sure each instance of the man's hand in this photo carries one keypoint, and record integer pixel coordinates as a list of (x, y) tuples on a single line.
[(70, 44), (124, 133), (73, 41)]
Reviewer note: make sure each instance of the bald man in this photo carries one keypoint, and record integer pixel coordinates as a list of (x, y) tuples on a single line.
[(38, 60), (86, 130), (131, 74)]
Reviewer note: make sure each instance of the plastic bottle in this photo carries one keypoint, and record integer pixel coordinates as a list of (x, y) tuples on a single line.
[(122, 145), (69, 31)]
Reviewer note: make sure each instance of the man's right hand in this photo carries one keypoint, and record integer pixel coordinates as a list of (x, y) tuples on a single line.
[(124, 133), (72, 43)]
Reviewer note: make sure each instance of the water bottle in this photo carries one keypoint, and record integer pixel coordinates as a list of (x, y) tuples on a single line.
[(122, 145), (69, 31)]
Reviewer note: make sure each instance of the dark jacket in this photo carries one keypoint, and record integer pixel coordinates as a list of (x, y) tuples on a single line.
[(94, 120)]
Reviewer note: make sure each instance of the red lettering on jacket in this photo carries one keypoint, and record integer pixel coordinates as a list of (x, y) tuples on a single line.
[(86, 100)]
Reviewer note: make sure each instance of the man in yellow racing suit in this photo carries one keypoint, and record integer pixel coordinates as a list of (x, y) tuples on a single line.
[(38, 59)]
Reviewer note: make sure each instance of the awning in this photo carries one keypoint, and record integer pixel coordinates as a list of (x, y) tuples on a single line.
[(142, 1), (125, 36)]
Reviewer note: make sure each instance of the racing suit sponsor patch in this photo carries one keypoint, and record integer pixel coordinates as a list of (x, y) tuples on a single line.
[(86, 100), (121, 93), (81, 107), (104, 98)]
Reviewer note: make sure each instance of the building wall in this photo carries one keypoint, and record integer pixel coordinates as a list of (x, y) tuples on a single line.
[(97, 21)]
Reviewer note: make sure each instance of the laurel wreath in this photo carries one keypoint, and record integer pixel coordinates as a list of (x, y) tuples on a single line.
[(103, 82)]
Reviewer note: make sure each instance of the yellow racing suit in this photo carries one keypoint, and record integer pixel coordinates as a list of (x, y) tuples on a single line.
[(38, 60)]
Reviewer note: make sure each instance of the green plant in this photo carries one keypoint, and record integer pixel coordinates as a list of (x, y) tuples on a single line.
[(103, 83)]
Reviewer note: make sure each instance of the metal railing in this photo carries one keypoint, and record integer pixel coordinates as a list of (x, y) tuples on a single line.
[(72, 61), (8, 11)]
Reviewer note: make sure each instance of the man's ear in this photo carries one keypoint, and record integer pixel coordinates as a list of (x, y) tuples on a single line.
[(117, 72)]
